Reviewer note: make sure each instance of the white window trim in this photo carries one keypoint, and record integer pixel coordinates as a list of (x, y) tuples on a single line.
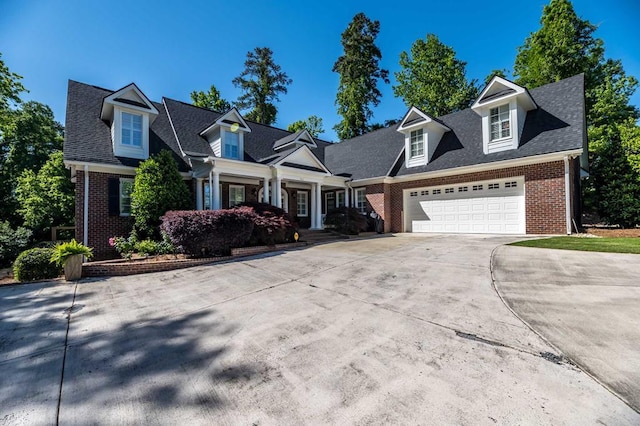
[(338, 195), (501, 138), (362, 208), (120, 197), (417, 142), (243, 194), (299, 196), (326, 200), (223, 131), (129, 151)]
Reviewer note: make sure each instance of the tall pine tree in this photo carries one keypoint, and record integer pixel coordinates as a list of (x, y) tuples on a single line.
[(262, 82), (360, 72)]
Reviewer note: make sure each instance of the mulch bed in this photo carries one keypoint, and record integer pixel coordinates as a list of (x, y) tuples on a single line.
[(611, 232)]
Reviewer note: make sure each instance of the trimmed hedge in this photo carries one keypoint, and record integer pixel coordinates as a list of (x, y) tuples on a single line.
[(272, 225), (347, 220), (12, 242), (35, 264), (208, 232)]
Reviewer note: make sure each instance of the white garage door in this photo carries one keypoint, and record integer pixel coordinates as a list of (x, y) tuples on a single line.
[(488, 207)]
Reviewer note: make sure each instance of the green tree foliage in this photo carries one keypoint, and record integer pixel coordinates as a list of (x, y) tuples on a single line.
[(262, 82), (10, 89), (565, 45), (359, 72), (46, 198), (12, 242), (25, 144), (432, 79), (210, 100), (313, 124), (158, 188)]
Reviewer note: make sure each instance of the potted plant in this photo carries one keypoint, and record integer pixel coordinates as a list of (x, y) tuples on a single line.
[(69, 256)]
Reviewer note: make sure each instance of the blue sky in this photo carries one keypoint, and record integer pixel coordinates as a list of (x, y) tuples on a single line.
[(171, 48)]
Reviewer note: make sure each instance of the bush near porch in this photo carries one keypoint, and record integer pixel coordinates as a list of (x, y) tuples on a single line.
[(216, 232), (347, 220)]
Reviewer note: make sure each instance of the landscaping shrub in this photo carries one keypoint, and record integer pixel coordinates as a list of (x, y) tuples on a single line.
[(208, 232), (158, 188), (35, 264), (272, 225), (12, 242), (346, 220), (150, 247), (124, 246)]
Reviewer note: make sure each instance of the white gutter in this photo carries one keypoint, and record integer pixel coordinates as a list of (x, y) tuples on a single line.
[(85, 213), (567, 195)]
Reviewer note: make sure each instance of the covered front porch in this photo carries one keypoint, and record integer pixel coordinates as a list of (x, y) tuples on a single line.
[(222, 183)]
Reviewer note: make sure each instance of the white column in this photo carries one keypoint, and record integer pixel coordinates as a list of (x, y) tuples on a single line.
[(85, 207), (319, 206), (214, 190), (346, 197), (199, 195), (312, 206), (265, 190), (278, 193)]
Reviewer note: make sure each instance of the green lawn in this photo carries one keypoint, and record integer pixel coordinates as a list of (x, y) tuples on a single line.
[(611, 245)]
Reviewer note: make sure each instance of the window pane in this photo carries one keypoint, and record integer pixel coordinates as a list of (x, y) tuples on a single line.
[(236, 195), (126, 187), (231, 145), (136, 138), (301, 204), (340, 199)]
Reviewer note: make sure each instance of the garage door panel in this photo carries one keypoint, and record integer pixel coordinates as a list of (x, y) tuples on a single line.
[(496, 211)]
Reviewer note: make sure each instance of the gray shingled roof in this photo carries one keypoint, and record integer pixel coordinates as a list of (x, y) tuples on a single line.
[(557, 125), (88, 138)]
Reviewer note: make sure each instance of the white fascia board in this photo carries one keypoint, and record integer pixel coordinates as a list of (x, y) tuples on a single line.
[(308, 150), (428, 120), (238, 167), (132, 86), (504, 164), (520, 92), (110, 168)]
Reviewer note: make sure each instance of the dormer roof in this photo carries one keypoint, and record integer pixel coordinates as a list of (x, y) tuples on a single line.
[(130, 96), (301, 137), (231, 119), (415, 118), (500, 90)]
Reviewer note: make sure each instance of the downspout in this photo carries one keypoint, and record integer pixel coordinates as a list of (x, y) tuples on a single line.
[(567, 194), (85, 212)]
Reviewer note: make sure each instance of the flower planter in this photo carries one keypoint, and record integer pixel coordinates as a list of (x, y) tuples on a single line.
[(73, 268)]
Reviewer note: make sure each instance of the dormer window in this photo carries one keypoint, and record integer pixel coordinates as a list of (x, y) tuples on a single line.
[(500, 122), (231, 145), (417, 143), (129, 114), (132, 129)]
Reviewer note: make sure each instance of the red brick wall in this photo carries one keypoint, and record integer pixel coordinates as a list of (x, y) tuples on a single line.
[(101, 225), (377, 200), (544, 195)]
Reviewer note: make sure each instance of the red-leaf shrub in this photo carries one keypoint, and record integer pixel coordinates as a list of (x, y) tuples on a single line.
[(272, 225), (346, 220), (206, 232)]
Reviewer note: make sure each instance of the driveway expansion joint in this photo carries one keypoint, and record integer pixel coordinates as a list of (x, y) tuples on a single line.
[(69, 311)]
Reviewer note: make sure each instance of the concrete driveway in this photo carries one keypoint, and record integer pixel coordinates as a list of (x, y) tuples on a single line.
[(401, 329), (586, 304)]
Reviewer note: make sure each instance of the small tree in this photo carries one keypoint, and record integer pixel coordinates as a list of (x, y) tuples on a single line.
[(210, 100), (433, 79), (46, 198), (158, 188), (313, 124)]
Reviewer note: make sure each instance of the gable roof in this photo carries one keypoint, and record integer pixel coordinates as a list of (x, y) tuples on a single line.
[(415, 117), (88, 137), (231, 118), (556, 126), (498, 88), (301, 136)]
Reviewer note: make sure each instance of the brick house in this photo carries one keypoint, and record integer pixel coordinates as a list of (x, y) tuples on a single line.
[(510, 164)]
